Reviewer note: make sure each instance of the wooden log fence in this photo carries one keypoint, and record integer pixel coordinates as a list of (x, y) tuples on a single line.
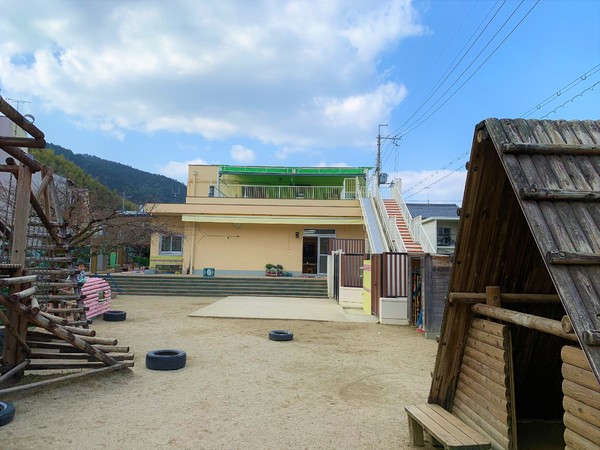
[(549, 326), (483, 396)]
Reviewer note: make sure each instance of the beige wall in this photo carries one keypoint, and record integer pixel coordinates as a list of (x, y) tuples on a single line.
[(172, 223), (260, 207), (199, 180), (249, 247)]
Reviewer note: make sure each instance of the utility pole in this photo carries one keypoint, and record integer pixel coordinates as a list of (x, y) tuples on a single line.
[(378, 162), (379, 138)]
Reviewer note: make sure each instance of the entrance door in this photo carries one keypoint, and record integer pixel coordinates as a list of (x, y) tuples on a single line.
[(316, 248), (324, 250)]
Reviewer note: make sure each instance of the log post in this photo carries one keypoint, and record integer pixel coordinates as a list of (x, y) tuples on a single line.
[(542, 324), (18, 368), (492, 296), (14, 354)]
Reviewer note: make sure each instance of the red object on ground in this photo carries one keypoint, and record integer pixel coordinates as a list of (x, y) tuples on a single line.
[(97, 296)]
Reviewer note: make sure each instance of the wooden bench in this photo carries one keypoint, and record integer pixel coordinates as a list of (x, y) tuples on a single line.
[(447, 429)]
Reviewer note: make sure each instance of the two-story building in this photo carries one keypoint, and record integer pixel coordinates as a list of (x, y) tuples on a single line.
[(237, 219), (440, 223)]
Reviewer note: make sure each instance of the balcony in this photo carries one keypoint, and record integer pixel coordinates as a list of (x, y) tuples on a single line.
[(284, 192)]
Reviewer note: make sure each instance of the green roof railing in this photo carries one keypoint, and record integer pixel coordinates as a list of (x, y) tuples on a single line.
[(256, 170)]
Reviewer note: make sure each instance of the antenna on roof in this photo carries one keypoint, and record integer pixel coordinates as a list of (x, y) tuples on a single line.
[(18, 102)]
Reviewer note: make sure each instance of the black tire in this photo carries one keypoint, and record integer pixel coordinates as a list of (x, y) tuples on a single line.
[(114, 316), (281, 335), (165, 359), (7, 413)]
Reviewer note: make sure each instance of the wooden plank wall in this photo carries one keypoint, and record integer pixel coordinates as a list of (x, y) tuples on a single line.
[(350, 270), (354, 246), (483, 398), (437, 278), (581, 401), (395, 275)]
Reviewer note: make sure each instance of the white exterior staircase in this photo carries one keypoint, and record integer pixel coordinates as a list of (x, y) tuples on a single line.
[(393, 210)]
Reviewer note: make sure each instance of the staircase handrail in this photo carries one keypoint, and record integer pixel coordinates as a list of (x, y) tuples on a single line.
[(109, 278), (415, 227), (368, 198), (391, 227)]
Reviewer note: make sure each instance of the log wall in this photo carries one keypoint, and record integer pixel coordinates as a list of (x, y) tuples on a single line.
[(581, 400), (483, 398)]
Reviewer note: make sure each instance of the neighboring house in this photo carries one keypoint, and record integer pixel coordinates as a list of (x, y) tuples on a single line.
[(237, 219), (440, 222)]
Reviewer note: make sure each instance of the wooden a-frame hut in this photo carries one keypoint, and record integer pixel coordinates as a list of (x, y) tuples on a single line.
[(519, 352)]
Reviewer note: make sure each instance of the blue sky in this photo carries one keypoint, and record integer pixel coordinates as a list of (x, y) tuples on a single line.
[(158, 84)]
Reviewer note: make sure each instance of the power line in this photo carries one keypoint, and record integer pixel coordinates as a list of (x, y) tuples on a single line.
[(435, 182), (446, 48), (418, 124), (562, 90), (447, 74), (441, 169), (591, 88)]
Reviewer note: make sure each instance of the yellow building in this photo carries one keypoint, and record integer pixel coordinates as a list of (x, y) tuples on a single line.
[(237, 219)]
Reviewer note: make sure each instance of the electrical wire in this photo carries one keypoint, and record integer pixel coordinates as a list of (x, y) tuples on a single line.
[(434, 64), (418, 124), (591, 88), (562, 90), (434, 183), (447, 74), (441, 169)]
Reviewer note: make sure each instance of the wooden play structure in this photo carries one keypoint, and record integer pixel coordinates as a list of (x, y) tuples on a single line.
[(518, 362), (41, 305)]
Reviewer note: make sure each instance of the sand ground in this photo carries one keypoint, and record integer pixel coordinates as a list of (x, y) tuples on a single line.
[(335, 386)]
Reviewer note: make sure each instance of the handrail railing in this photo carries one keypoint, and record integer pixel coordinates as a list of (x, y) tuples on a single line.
[(360, 194), (280, 192), (414, 224), (391, 227)]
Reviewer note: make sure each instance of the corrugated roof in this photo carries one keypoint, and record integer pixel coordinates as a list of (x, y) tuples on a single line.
[(426, 210)]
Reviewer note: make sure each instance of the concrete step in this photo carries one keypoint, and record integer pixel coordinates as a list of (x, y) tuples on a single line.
[(220, 286)]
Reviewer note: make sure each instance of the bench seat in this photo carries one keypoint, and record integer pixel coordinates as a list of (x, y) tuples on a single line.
[(444, 427)]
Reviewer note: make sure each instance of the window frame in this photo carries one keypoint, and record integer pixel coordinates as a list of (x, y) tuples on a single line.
[(163, 237)]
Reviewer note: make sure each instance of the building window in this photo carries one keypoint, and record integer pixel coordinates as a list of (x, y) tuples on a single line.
[(444, 237), (171, 244)]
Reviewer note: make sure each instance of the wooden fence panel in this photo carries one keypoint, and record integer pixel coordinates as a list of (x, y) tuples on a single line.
[(395, 275), (350, 270), (351, 246)]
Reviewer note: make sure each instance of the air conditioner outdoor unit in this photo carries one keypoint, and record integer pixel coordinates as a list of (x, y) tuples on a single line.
[(208, 272)]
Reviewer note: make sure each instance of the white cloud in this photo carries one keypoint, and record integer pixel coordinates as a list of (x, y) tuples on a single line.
[(364, 110), (297, 73), (286, 151), (441, 186), (338, 164), (242, 155), (178, 170)]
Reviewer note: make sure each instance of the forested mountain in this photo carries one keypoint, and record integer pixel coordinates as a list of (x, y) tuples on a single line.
[(137, 186), (102, 195)]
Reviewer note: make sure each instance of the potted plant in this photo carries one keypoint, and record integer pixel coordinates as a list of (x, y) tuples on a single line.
[(270, 270), (279, 269)]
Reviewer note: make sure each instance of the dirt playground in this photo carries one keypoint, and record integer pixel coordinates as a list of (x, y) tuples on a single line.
[(335, 386)]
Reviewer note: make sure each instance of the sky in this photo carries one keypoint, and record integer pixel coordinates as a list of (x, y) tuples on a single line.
[(160, 84)]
